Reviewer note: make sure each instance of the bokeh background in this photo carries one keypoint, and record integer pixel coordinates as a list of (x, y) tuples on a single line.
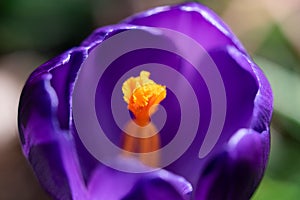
[(33, 31)]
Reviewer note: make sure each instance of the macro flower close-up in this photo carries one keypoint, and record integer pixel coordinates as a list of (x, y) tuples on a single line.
[(197, 112)]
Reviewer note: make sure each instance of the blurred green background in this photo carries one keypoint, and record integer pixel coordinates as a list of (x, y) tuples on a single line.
[(33, 31)]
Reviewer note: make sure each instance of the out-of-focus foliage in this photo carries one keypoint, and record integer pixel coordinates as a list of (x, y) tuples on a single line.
[(43, 25), (280, 61), (282, 180), (279, 49), (277, 190)]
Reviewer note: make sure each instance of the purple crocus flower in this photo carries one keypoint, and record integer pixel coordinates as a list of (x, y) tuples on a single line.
[(231, 170)]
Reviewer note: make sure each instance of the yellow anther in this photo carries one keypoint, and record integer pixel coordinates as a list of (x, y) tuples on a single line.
[(142, 96)]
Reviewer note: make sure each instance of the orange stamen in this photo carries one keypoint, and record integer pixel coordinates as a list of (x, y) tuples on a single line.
[(142, 96)]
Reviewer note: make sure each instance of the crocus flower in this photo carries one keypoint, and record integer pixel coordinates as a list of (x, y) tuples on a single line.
[(231, 170)]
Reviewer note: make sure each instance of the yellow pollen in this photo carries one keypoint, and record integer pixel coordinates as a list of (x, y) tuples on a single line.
[(142, 96)]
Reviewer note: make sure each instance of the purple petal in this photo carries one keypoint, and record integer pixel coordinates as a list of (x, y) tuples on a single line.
[(236, 172), (104, 33), (38, 102), (263, 108), (192, 19), (64, 70), (153, 188), (241, 89), (50, 150), (57, 168), (136, 185)]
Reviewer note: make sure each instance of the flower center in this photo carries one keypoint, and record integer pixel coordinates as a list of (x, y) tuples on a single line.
[(142, 96)]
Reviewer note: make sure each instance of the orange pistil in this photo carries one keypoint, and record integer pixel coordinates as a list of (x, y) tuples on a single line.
[(142, 96)]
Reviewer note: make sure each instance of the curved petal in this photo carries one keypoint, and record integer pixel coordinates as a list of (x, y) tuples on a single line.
[(50, 150), (263, 102), (57, 168), (152, 185), (263, 105), (38, 103), (103, 33), (64, 70), (192, 19), (153, 188), (236, 172), (241, 87)]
